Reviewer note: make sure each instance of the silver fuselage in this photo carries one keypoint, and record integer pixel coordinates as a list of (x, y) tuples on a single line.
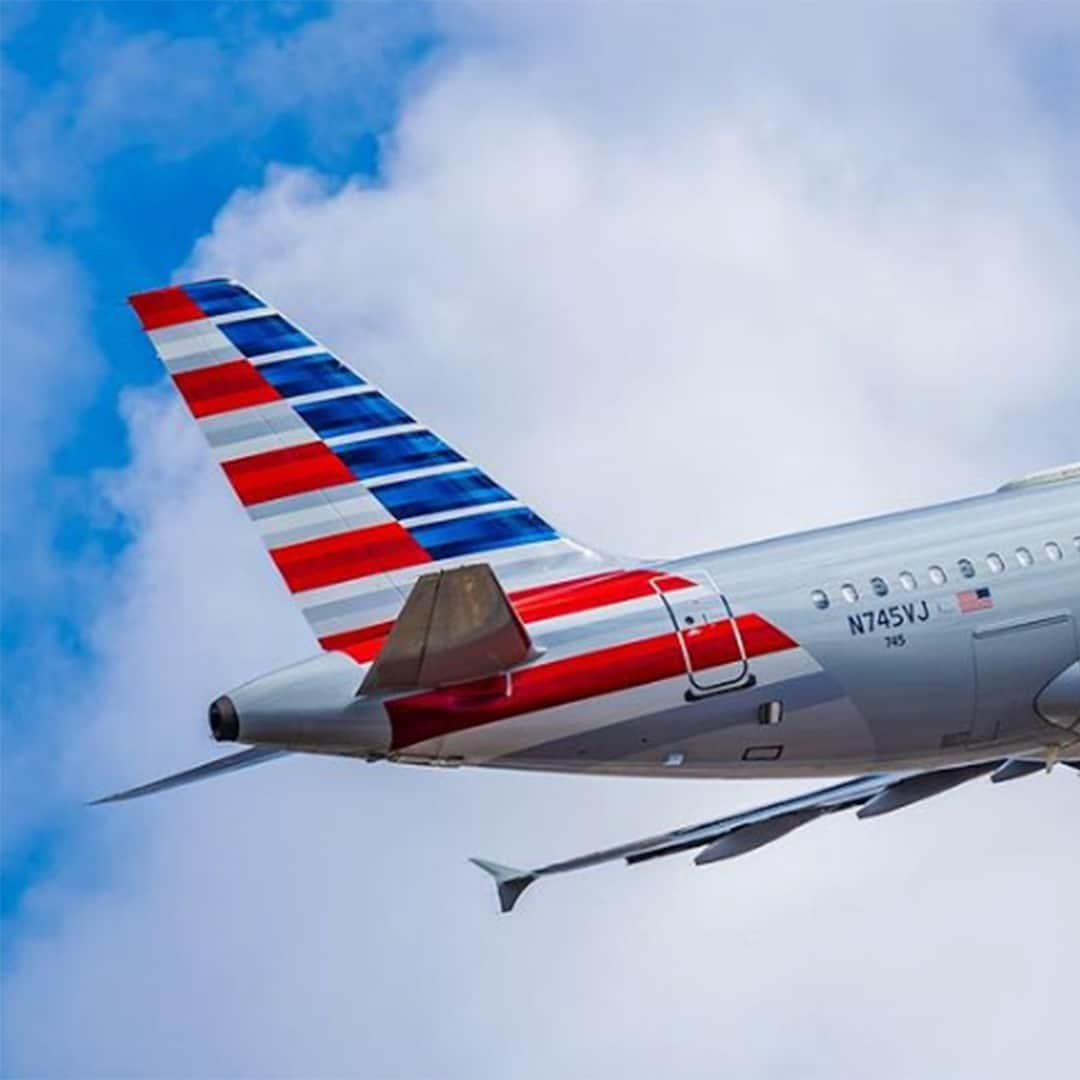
[(942, 628), (916, 691)]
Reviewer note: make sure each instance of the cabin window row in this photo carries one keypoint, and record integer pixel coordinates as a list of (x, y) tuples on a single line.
[(937, 576)]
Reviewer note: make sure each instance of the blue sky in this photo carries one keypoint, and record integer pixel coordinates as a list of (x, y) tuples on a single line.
[(107, 190), (613, 222)]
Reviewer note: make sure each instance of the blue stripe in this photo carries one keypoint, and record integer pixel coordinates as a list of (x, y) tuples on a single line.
[(308, 375), (221, 297), (396, 453), (433, 494), (482, 532), (270, 333), (357, 412)]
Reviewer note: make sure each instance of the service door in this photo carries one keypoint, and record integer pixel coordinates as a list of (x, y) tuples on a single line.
[(708, 635), (1013, 662)]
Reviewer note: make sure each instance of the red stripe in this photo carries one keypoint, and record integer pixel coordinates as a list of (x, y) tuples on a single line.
[(532, 605), (290, 471), (363, 644), (711, 645), (440, 712), (575, 678), (165, 307), (330, 559), (224, 387), (597, 590), (760, 637)]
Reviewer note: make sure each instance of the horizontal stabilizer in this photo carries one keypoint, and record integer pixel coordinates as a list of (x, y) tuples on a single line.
[(456, 625), (243, 760), (510, 883)]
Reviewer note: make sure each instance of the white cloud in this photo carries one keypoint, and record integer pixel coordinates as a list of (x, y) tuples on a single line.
[(676, 288), (39, 278), (49, 367), (753, 290), (240, 80)]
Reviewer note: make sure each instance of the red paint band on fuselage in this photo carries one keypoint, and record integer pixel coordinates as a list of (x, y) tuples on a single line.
[(533, 604), (362, 645), (597, 590), (576, 678)]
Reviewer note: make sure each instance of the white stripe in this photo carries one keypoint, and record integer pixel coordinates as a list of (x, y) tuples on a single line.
[(246, 313), (192, 345), (503, 561), (377, 433), (315, 522), (338, 608), (305, 500), (262, 444), (286, 354), (356, 612), (417, 474), (274, 415), (255, 430), (329, 395), (170, 340), (405, 578), (462, 512)]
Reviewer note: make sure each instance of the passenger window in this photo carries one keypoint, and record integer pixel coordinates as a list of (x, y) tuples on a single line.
[(850, 593), (937, 575), (966, 567), (995, 562), (880, 586), (1054, 551), (1076, 542), (907, 579), (820, 598), (1024, 557)]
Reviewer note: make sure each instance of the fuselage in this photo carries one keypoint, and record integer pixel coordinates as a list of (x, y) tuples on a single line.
[(917, 638)]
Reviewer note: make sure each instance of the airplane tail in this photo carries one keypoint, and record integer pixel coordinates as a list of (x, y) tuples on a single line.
[(354, 498)]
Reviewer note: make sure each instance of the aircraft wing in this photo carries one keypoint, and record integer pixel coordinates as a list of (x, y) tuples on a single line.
[(726, 837)]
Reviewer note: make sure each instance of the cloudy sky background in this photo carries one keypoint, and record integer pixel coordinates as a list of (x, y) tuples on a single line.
[(680, 276)]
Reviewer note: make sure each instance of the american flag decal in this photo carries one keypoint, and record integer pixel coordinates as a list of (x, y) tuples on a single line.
[(974, 600)]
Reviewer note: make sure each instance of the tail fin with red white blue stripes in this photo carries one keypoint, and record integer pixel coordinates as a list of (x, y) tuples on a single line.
[(353, 497)]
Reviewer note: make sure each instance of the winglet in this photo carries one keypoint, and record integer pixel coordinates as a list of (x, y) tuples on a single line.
[(511, 883)]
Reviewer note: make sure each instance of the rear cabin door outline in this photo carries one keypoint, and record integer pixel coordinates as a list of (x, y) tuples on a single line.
[(703, 621)]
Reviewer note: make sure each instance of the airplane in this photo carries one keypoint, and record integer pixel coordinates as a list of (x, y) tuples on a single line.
[(909, 653)]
